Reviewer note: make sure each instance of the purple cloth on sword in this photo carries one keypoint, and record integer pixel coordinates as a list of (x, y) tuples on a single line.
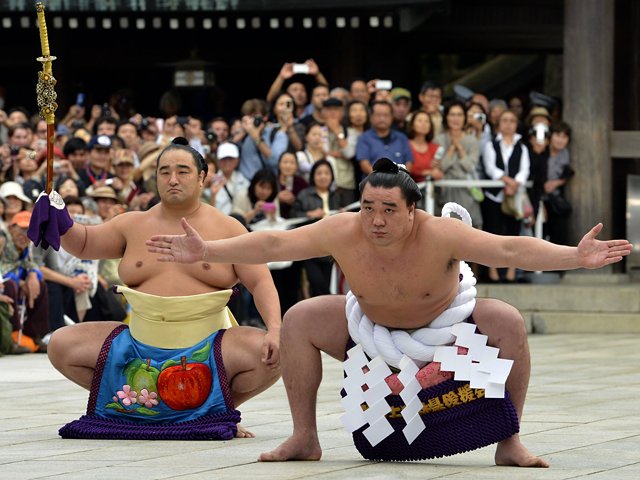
[(48, 223)]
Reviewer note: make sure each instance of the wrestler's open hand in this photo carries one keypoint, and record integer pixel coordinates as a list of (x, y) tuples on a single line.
[(187, 248), (271, 348), (594, 253)]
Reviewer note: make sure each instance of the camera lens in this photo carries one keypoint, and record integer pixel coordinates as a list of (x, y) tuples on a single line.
[(257, 121)]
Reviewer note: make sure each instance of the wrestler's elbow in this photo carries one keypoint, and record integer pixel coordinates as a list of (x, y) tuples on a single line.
[(275, 246), (509, 254)]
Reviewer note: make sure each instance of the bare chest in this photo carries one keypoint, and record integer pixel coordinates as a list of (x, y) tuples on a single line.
[(406, 293), (140, 269)]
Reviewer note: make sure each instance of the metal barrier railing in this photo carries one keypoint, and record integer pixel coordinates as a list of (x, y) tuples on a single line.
[(428, 186), (429, 196)]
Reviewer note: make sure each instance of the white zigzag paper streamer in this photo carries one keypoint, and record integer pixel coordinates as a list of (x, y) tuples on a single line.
[(377, 389)]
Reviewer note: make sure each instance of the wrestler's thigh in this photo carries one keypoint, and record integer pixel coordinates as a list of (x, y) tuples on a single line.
[(242, 350), (320, 321), (78, 345), (498, 320)]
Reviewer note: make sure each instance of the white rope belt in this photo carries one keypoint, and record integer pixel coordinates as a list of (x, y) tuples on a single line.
[(409, 351)]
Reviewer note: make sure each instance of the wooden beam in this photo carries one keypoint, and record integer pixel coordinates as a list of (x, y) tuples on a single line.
[(588, 108), (625, 144)]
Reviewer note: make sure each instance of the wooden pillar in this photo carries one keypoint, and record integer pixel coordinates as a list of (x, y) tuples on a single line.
[(588, 108)]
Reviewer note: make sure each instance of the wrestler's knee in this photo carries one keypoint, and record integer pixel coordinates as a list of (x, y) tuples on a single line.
[(512, 326), (59, 347), (293, 320), (500, 320), (242, 347)]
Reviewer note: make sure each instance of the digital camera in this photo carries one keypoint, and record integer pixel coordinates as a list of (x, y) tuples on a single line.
[(257, 121), (481, 117), (268, 207)]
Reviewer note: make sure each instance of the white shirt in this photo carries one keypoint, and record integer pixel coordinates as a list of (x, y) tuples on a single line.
[(495, 173), (236, 184)]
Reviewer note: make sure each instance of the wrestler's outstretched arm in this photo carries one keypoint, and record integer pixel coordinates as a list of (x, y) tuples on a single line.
[(255, 247), (530, 253)]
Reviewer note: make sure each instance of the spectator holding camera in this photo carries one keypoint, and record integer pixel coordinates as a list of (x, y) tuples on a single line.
[(257, 141), (171, 128), (33, 170), (284, 126), (228, 183), (290, 183), (219, 127), (260, 200), (559, 172), (539, 159), (296, 89), (319, 94), (477, 124), (74, 117), (106, 125), (314, 150)]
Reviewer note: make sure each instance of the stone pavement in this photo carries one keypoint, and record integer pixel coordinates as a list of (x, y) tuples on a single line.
[(582, 415)]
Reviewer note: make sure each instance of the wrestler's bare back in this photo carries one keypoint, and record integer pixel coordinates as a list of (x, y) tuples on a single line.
[(398, 288), (139, 269)]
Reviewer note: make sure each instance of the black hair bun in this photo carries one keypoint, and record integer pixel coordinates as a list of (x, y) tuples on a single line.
[(180, 141)]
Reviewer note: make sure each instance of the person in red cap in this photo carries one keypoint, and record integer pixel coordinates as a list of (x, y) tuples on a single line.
[(23, 280)]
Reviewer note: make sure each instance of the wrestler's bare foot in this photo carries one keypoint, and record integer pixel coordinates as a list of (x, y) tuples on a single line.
[(244, 433), (294, 449), (511, 452)]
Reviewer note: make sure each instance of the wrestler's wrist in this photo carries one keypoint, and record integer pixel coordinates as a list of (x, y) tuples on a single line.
[(205, 252)]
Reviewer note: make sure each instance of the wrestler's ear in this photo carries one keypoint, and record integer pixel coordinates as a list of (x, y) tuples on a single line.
[(412, 210)]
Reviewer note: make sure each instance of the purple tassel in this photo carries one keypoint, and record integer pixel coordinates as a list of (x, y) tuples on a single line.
[(48, 223), (222, 426)]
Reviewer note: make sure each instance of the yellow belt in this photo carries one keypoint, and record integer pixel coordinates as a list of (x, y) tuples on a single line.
[(177, 322)]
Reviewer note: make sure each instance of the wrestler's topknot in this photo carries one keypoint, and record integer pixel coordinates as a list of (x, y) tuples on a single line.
[(388, 174), (181, 143)]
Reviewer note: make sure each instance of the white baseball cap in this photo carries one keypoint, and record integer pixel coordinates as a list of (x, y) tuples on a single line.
[(227, 150)]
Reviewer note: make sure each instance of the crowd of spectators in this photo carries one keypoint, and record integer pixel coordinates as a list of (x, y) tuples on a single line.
[(293, 154)]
